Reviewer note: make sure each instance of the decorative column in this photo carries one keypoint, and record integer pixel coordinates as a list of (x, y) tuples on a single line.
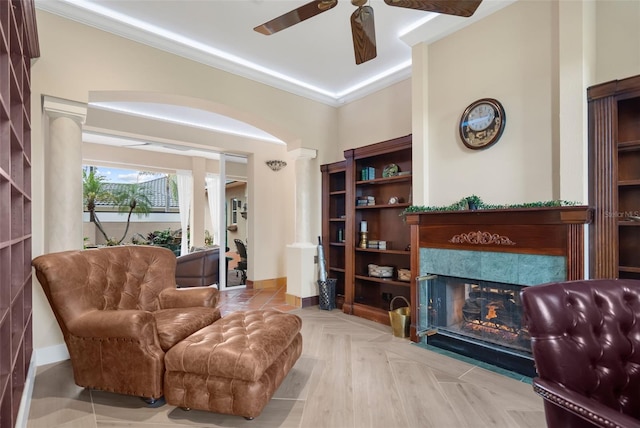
[(63, 174), (301, 266)]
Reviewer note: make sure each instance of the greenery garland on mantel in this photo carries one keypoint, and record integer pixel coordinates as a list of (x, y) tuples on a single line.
[(473, 200)]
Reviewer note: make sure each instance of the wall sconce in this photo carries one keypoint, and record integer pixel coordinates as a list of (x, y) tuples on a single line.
[(276, 165)]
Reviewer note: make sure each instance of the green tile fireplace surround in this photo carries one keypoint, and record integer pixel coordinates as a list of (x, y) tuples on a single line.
[(509, 268)]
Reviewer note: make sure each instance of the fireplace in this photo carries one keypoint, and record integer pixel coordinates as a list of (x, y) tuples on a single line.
[(479, 319), (471, 266)]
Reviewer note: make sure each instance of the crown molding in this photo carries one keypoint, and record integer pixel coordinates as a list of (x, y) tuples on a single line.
[(268, 77)]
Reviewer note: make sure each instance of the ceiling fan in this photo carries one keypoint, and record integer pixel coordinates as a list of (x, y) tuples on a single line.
[(362, 26)]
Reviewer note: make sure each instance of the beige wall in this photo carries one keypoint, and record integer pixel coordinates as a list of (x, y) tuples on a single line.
[(534, 56), (537, 58), (381, 116), (618, 39), (506, 56), (77, 62)]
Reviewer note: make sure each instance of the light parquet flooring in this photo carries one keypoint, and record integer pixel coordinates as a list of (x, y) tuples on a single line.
[(352, 373)]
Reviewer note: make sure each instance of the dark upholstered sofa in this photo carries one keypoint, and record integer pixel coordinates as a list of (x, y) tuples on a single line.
[(585, 337), (198, 268)]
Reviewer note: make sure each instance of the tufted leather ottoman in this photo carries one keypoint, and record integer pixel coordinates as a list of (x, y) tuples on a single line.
[(234, 365)]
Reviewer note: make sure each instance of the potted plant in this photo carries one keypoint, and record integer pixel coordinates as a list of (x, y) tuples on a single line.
[(474, 202)]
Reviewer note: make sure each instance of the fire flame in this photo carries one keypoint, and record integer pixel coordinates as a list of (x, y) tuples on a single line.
[(492, 312)]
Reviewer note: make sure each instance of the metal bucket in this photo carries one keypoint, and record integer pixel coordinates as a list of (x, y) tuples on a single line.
[(400, 318)]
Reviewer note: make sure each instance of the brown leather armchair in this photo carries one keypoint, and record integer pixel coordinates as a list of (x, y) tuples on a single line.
[(120, 311), (585, 337), (199, 268)]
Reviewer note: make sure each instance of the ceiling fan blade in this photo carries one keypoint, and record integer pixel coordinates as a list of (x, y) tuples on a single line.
[(306, 11), (464, 8), (364, 34)]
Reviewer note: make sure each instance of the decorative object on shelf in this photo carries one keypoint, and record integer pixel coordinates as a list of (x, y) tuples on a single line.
[(363, 235), (473, 202), (380, 271), (482, 123), (341, 235), (368, 173), (394, 200), (363, 240), (404, 275), (276, 165), (390, 170)]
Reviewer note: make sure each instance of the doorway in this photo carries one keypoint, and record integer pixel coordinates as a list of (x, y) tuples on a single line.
[(236, 232)]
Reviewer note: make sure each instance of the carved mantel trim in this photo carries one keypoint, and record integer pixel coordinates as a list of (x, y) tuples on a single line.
[(481, 238), (545, 231)]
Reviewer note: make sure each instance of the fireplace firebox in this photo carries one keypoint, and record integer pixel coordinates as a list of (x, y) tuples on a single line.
[(479, 319)]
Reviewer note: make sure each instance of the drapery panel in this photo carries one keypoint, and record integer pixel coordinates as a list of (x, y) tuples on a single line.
[(185, 194)]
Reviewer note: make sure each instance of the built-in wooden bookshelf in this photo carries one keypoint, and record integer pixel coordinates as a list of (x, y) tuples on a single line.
[(18, 45), (388, 194), (614, 166), (334, 223)]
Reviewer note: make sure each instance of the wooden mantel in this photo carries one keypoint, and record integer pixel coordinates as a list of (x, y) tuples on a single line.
[(555, 231)]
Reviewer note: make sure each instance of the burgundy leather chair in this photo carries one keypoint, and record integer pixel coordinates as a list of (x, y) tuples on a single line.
[(585, 337)]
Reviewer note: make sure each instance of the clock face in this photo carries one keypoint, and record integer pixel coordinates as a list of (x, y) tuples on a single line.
[(482, 123)]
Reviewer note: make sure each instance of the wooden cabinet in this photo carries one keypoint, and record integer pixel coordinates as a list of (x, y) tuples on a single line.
[(383, 197), (18, 44), (334, 223), (614, 190)]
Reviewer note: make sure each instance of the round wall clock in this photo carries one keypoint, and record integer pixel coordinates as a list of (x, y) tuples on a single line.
[(482, 123)]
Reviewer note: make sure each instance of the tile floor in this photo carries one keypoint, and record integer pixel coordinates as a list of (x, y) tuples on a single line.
[(244, 299), (353, 373)]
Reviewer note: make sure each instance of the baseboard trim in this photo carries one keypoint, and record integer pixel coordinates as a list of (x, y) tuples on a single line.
[(25, 402), (51, 354), (268, 283), (310, 301)]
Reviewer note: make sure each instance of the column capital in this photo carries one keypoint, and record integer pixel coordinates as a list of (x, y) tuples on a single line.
[(59, 107), (303, 153)]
